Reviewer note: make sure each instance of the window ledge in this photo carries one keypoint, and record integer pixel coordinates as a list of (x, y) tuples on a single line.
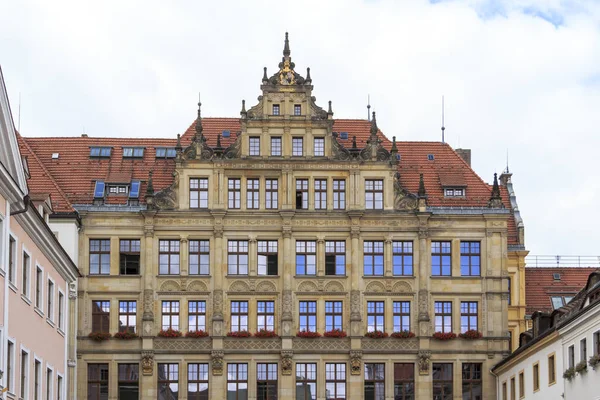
[(26, 299), (375, 276), (236, 275), (99, 275), (268, 276), (50, 322), (39, 312), (61, 332), (12, 287), (2, 272), (128, 275), (477, 277), (389, 277)]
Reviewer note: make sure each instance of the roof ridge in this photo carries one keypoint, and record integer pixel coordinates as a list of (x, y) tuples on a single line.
[(43, 167)]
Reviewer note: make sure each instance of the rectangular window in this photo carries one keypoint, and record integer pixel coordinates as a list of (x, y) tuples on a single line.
[(196, 315), (443, 316), (239, 316), (168, 381), (319, 147), (374, 194), (301, 194), (136, 152), (197, 382), (50, 302), (297, 147), (237, 257), (402, 258), (471, 381), (375, 316), (401, 316), (99, 256), (551, 369), (509, 291), (275, 109), (276, 146), (237, 381), (374, 381), (373, 258), (306, 258), (339, 194), (335, 257), (127, 316), (97, 381), (10, 366), (100, 151), (170, 315), (266, 381), (334, 313), (38, 287), (404, 381), (168, 257), (583, 350), (442, 381), (49, 383), (12, 259), (271, 194), (468, 316), (101, 316), (234, 193), (254, 146), (61, 311), (306, 381), (59, 389), (335, 381), (308, 316), (37, 380), (198, 192), (504, 391), (252, 194), (265, 315), (513, 389), (441, 258), (199, 257), (297, 109), (24, 378), (25, 277), (129, 257), (128, 381), (571, 355), (470, 258), (597, 343), (536, 377), (521, 384), (320, 194), (267, 257)]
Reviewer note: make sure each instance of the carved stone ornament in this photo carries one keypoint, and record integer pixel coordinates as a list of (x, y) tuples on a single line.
[(403, 199), (165, 199), (286, 362), (234, 150), (218, 304), (287, 306), (148, 305), (338, 150), (147, 362), (217, 362), (423, 304), (355, 305), (424, 359), (72, 290), (355, 362)]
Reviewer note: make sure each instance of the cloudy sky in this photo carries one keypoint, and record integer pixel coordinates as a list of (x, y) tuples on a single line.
[(518, 76)]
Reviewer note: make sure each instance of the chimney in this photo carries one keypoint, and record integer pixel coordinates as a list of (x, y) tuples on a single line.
[(84, 135), (465, 154)]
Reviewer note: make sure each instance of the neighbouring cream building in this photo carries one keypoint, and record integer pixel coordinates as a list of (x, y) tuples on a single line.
[(287, 222), (38, 283)]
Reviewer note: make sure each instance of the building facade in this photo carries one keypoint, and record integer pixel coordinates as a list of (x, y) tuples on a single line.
[(38, 292), (355, 256)]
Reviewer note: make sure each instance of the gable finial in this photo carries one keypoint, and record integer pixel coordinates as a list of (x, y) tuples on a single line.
[(178, 145), (286, 47), (308, 78), (199, 120), (495, 198), (265, 78), (330, 111), (219, 141), (443, 127), (374, 128), (422, 193), (150, 186), (243, 112), (368, 107)]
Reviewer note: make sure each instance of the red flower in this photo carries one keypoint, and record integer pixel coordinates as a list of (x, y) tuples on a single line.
[(265, 333), (335, 333), (239, 334), (471, 334), (126, 335), (403, 335), (376, 334), (444, 336), (308, 334), (196, 334), (169, 333), (99, 336)]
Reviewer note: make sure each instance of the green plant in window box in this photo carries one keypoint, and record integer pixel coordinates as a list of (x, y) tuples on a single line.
[(594, 361), (99, 336), (569, 374), (581, 367)]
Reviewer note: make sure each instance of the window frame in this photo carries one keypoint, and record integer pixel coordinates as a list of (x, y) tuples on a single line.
[(470, 380), (265, 309), (320, 194), (442, 314), (405, 384), (297, 110), (127, 249), (276, 148), (378, 383), (61, 311), (129, 370), (198, 249), (271, 194), (197, 313), (302, 193), (551, 369), (469, 314), (438, 253), (306, 250), (339, 194), (307, 312), (596, 337), (376, 314), (403, 257), (103, 256), (297, 146), (334, 312), (238, 251), (399, 314), (24, 373), (169, 311), (536, 376), (521, 384), (307, 380), (319, 145), (26, 274), (276, 109), (583, 350), (234, 193), (267, 257), (12, 259), (333, 372), (39, 288), (233, 370), (101, 316), (335, 257), (99, 379), (240, 315), (172, 371), (129, 315), (267, 371), (441, 383), (371, 251), (254, 146), (173, 267), (198, 195), (199, 377), (371, 194), (470, 250), (252, 193), (571, 356), (50, 285)]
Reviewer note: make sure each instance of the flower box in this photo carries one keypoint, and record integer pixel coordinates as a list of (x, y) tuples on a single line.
[(581, 367), (444, 335), (376, 335), (471, 335), (265, 333), (239, 334), (335, 333), (594, 361), (569, 374), (403, 335), (99, 336), (126, 335), (169, 333), (308, 334), (196, 334)]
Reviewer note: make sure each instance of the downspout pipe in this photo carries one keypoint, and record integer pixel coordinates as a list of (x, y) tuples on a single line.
[(26, 201)]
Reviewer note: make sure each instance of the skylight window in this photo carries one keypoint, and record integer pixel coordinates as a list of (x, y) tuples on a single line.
[(133, 152), (134, 193), (430, 157), (226, 133), (100, 151), (559, 301), (99, 190), (165, 152), (344, 135), (55, 156)]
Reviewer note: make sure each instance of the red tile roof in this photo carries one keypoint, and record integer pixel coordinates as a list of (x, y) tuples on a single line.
[(540, 285)]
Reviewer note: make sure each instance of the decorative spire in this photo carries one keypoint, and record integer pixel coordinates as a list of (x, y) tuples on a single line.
[(374, 128), (199, 121), (308, 78), (243, 112), (369, 107), (219, 140), (354, 142), (265, 77), (495, 199), (394, 151), (422, 193), (150, 186), (178, 145), (330, 111), (286, 47)]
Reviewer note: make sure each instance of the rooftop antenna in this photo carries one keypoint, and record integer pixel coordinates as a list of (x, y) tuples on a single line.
[(369, 107), (19, 123), (507, 171), (443, 127)]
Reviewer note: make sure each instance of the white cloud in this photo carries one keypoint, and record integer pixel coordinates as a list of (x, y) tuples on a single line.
[(519, 75)]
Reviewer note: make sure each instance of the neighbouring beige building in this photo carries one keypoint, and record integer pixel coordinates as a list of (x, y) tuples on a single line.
[(288, 221)]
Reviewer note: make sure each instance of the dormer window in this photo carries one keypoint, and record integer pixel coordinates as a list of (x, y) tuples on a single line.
[(454, 192), (114, 189), (297, 109), (133, 152), (275, 109), (165, 152), (100, 151)]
